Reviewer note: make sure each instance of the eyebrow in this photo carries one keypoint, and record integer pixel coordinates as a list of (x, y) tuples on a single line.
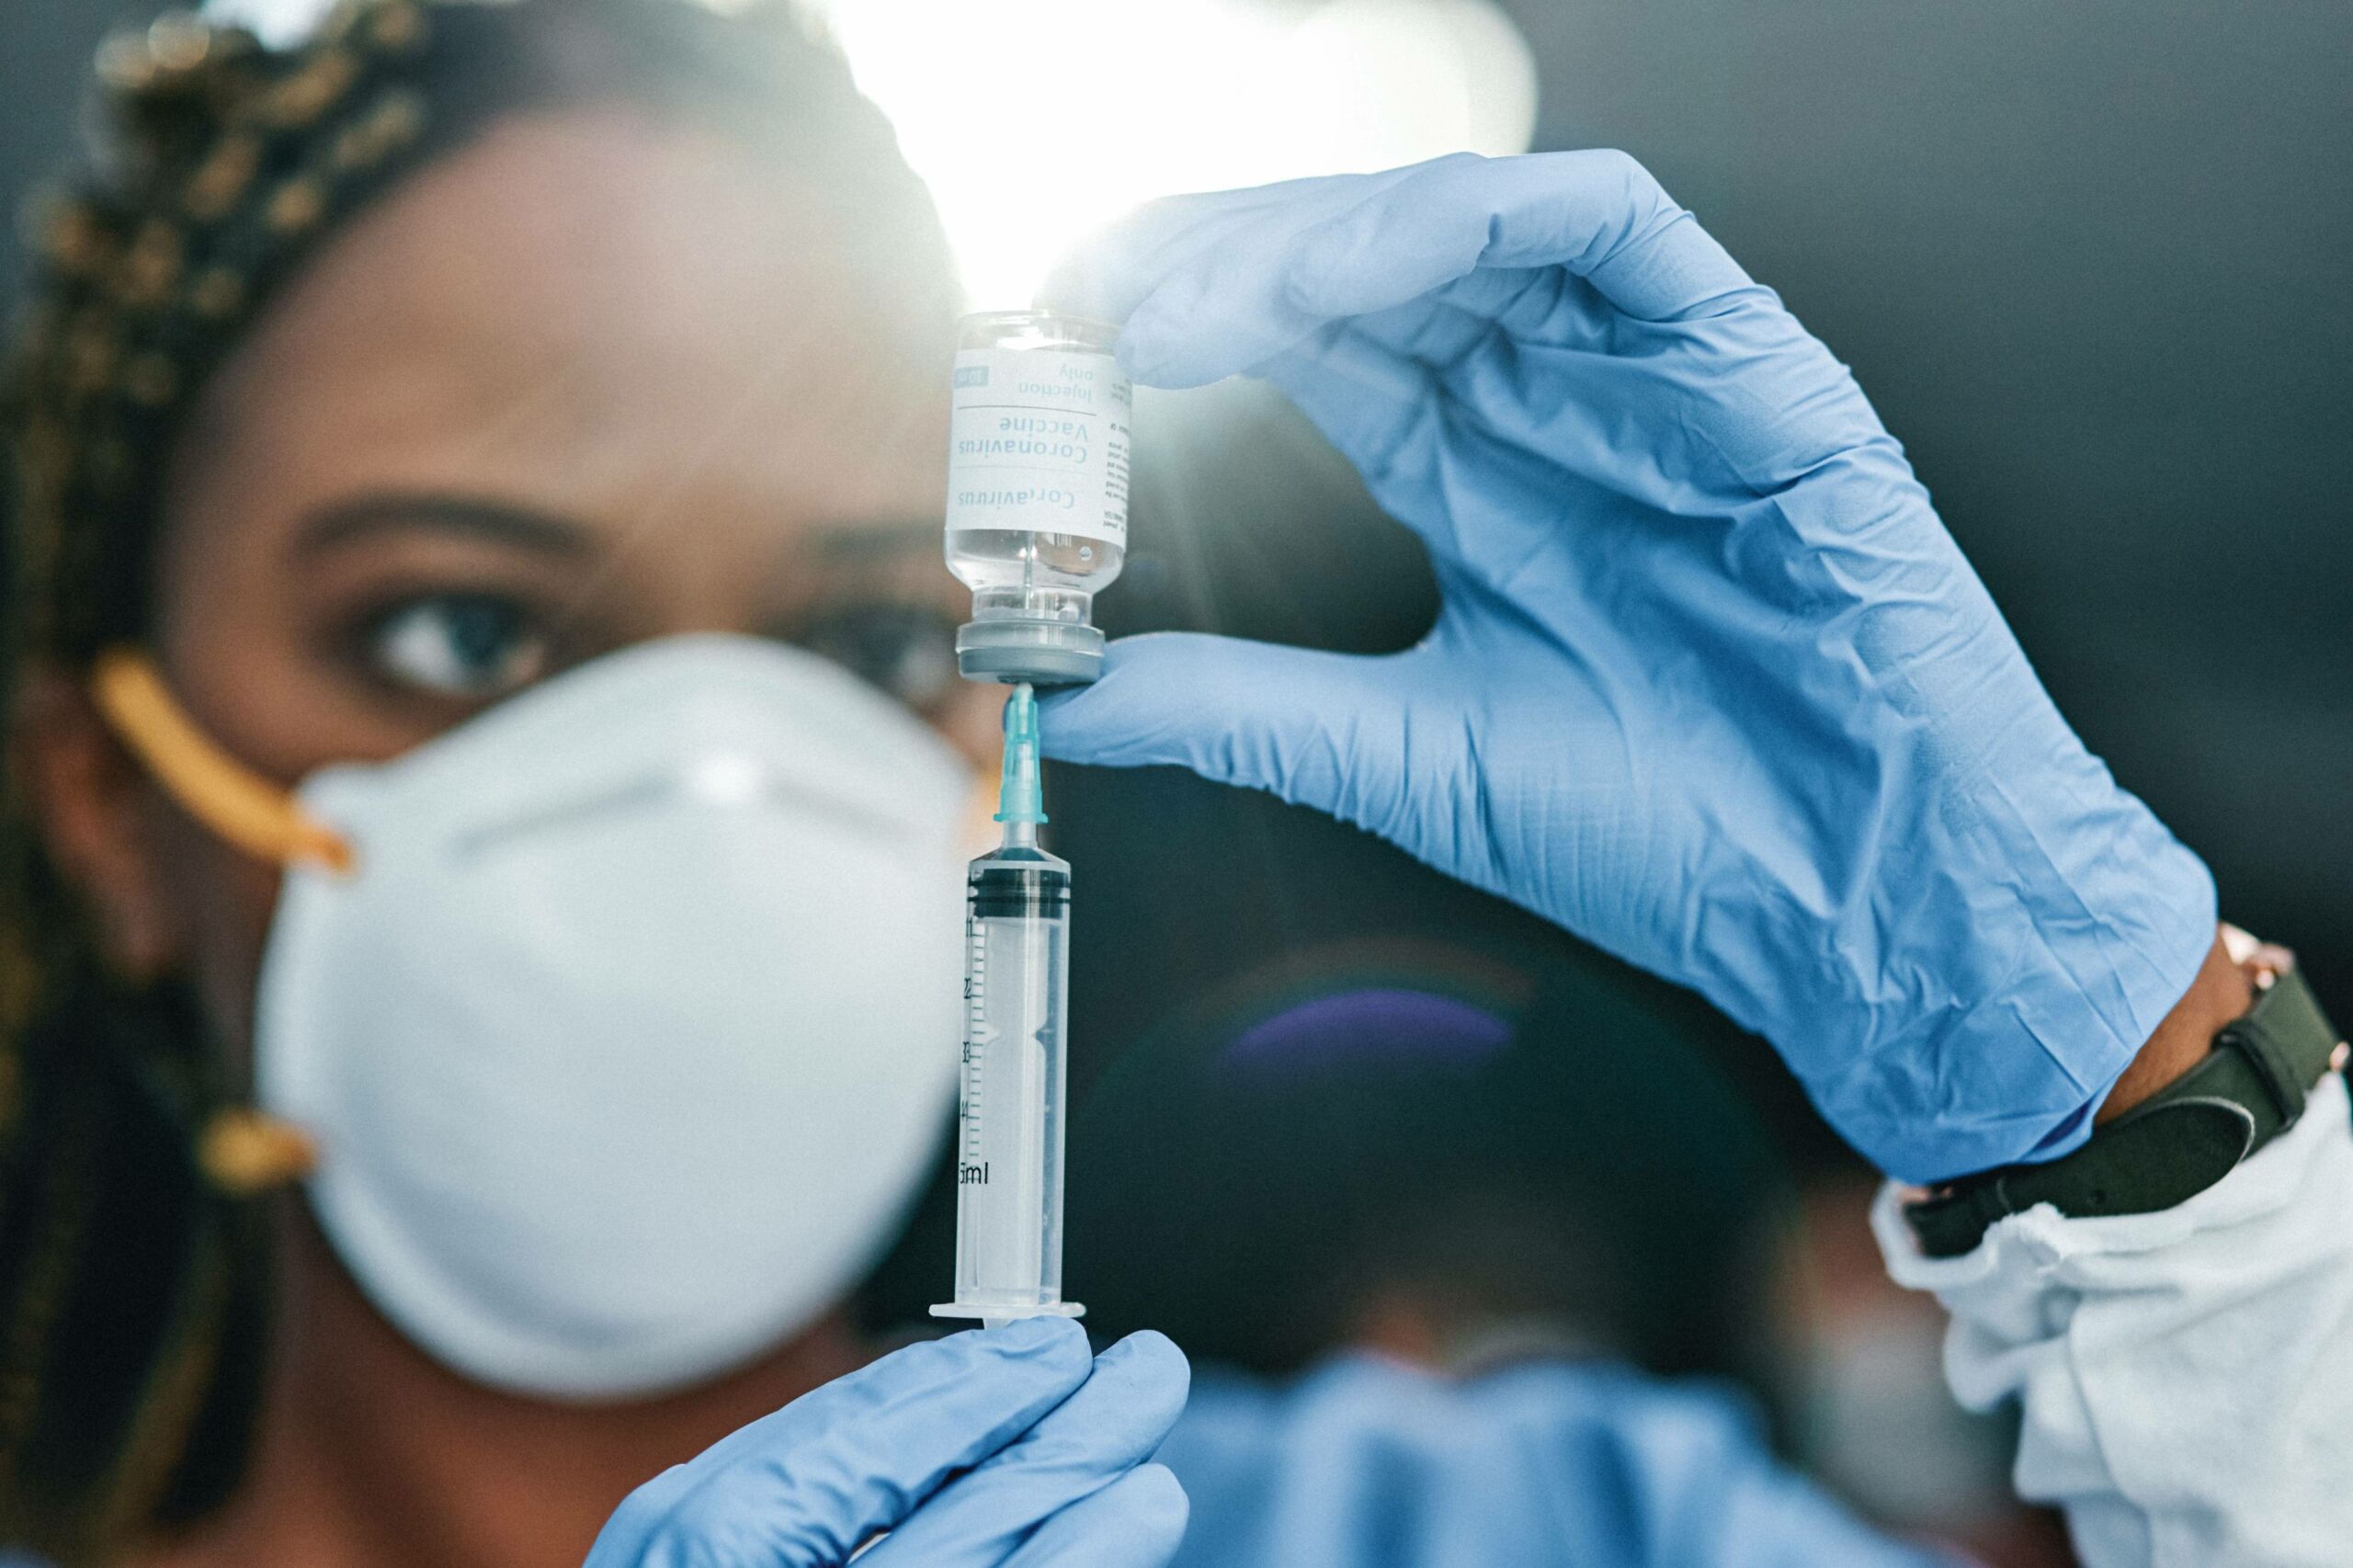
[(494, 520)]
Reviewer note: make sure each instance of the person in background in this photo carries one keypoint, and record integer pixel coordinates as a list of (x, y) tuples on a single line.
[(1449, 1153)]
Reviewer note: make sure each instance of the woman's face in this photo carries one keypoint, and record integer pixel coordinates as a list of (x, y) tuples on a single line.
[(591, 380)]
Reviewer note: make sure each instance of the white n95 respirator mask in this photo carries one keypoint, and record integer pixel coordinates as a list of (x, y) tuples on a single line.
[(626, 1034)]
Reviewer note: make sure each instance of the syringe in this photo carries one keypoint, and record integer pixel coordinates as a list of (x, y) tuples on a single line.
[(1009, 1115)]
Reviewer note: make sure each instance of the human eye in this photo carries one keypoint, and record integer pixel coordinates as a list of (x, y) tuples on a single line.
[(465, 644), (908, 651)]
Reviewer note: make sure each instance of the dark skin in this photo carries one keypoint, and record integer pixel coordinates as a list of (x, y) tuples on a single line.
[(589, 382), (646, 393)]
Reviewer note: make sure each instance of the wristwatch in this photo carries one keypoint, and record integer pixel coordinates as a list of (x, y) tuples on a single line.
[(2180, 1141)]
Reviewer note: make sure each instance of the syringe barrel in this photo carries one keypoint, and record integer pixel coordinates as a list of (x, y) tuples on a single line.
[(1010, 1112)]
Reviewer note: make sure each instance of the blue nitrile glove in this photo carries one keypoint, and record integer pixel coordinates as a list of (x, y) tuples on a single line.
[(1547, 1463), (1005, 1447), (1713, 687)]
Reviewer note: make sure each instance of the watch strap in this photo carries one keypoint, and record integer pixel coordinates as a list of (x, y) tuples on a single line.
[(2246, 1091)]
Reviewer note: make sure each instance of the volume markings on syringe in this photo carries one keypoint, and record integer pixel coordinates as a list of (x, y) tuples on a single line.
[(977, 1035)]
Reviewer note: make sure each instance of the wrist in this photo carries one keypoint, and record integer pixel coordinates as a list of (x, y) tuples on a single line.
[(2223, 990), (2188, 1116)]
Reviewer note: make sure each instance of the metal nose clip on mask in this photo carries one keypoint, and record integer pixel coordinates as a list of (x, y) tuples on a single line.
[(619, 1030)]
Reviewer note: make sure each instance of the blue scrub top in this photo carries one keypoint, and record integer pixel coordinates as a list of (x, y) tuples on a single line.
[(1363, 1463)]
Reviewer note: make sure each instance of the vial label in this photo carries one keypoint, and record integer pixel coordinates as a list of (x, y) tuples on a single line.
[(1038, 442)]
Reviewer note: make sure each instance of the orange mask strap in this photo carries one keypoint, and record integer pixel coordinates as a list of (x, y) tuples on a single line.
[(214, 788)]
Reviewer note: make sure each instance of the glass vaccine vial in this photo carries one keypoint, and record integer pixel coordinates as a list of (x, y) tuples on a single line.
[(1037, 491)]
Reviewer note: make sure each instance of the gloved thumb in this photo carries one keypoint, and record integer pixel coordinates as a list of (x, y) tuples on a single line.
[(1317, 728)]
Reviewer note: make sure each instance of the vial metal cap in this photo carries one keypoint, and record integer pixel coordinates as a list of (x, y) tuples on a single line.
[(1043, 652)]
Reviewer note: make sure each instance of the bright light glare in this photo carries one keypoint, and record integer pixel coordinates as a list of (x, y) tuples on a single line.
[(281, 24), (1035, 120)]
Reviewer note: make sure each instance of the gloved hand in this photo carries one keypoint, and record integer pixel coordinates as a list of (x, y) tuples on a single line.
[(1536, 1465), (1007, 1447), (1713, 687)]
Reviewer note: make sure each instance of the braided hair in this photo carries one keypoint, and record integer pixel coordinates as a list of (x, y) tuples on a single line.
[(134, 1268)]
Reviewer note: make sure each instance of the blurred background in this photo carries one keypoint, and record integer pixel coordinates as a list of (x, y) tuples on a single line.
[(2090, 263)]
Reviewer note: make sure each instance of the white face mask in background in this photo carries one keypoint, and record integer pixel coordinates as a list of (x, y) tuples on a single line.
[(630, 1033)]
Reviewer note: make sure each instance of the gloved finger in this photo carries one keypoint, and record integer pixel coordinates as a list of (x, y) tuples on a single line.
[(1427, 330), (1200, 259), (1366, 399), (1109, 273), (807, 1484), (1138, 1521), (1598, 214), (1034, 1363), (1390, 415), (1316, 728), (1547, 305), (1369, 382), (1524, 305), (1089, 1441)]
